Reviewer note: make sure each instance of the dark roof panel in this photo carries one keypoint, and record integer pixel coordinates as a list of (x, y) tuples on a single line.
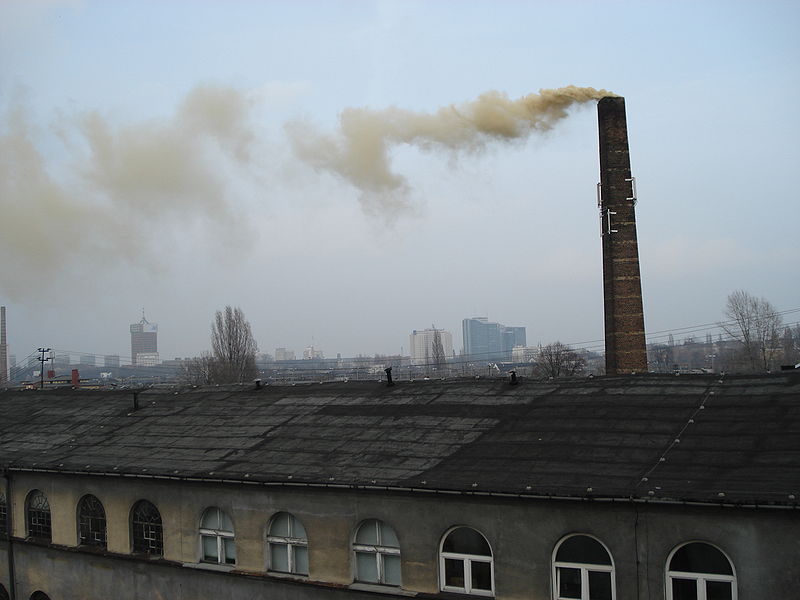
[(688, 438)]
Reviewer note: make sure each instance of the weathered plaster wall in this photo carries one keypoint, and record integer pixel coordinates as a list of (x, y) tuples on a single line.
[(762, 543)]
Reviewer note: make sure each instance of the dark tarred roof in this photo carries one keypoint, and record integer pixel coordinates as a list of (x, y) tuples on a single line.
[(688, 438)]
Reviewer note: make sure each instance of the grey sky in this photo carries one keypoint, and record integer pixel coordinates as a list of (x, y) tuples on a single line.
[(508, 230)]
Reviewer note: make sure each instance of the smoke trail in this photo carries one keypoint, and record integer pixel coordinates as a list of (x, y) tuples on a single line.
[(358, 152), (122, 185)]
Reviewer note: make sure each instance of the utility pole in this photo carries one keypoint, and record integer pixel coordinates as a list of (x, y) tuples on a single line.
[(43, 360)]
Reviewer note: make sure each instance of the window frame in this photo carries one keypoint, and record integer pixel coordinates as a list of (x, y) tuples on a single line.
[(4, 532), (29, 511), (219, 535), (290, 542), (585, 569), (466, 561), (89, 519), (147, 526), (379, 550), (700, 578)]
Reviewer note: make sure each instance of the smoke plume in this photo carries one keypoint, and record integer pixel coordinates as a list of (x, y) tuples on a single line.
[(117, 187), (359, 150)]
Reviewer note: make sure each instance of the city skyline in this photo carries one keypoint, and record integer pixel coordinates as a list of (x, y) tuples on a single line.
[(212, 204)]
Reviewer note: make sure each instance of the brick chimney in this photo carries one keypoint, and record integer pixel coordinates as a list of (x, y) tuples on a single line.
[(622, 288)]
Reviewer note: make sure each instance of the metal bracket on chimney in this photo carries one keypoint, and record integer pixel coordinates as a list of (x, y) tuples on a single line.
[(610, 212), (633, 189), (600, 208)]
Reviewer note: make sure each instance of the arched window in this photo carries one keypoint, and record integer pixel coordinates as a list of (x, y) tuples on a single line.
[(3, 593), (377, 553), (699, 571), (39, 596), (37, 516), (91, 522), (216, 537), (147, 535), (465, 563), (583, 570), (3, 517), (288, 545)]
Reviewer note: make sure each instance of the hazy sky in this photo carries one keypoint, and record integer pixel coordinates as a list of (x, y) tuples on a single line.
[(177, 156)]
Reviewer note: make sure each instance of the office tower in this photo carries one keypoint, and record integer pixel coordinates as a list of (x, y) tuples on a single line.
[(485, 340), (144, 342)]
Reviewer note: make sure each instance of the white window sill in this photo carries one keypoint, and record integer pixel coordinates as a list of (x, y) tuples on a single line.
[(383, 589), (210, 566)]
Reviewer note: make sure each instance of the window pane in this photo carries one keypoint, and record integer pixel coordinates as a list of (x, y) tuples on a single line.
[(225, 522), (481, 575), (698, 557), (210, 548), (454, 572), (279, 557), (210, 519), (569, 583), (229, 545), (718, 590), (298, 530), (583, 549), (280, 525), (366, 567), (388, 536), (300, 560), (368, 533), (466, 541), (684, 589), (391, 569), (599, 585)]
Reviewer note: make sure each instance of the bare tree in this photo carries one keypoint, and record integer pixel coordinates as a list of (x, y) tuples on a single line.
[(558, 360), (755, 323), (234, 349), (200, 370), (437, 349)]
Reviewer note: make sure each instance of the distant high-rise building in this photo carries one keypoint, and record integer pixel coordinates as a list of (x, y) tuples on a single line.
[(111, 360), (60, 360), (144, 340), (87, 359), (284, 354), (3, 346), (421, 345), (312, 353), (484, 340)]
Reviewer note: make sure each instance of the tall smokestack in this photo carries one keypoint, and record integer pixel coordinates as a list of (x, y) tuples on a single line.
[(3, 347), (622, 287)]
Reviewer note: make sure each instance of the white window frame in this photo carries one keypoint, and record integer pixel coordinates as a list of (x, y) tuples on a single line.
[(379, 550), (701, 578), (219, 535), (585, 569), (467, 560), (290, 542)]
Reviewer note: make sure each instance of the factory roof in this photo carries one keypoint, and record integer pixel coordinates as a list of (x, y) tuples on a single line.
[(706, 439)]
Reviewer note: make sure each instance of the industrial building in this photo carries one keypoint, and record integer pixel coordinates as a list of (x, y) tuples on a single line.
[(630, 487)]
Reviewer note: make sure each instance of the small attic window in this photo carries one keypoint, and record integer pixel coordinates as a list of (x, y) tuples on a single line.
[(37, 516), (3, 515), (288, 545)]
